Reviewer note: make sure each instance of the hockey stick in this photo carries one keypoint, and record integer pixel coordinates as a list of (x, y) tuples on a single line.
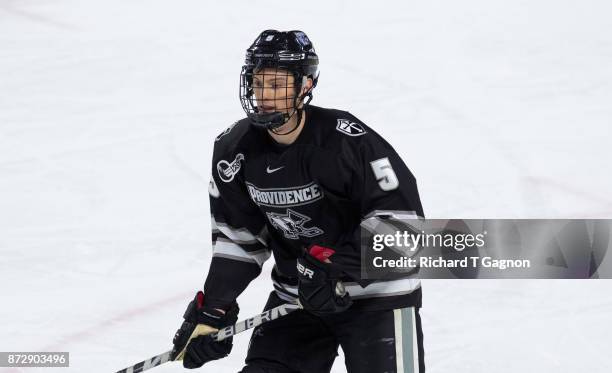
[(239, 327)]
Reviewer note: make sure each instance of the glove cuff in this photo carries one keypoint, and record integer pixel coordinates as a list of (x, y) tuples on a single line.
[(199, 313)]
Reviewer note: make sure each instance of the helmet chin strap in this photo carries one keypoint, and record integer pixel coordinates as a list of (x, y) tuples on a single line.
[(297, 124), (298, 111), (299, 119)]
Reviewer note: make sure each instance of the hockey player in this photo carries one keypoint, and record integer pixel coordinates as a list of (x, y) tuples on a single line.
[(295, 181)]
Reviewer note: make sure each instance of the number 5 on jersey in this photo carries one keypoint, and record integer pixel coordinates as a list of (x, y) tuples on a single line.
[(384, 174)]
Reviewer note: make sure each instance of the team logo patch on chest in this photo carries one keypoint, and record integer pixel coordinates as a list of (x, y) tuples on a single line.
[(350, 128), (227, 170), (292, 224), (285, 197)]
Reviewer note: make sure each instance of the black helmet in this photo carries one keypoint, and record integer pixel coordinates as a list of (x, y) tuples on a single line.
[(289, 51)]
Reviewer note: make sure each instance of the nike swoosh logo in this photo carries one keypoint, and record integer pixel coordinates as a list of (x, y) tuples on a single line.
[(270, 170)]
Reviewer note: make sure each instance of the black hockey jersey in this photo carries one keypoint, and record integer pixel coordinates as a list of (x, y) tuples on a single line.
[(267, 198)]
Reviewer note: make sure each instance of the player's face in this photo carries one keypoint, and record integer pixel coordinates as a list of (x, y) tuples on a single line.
[(274, 90)]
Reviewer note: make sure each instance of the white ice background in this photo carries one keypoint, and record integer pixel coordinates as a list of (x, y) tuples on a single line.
[(108, 111)]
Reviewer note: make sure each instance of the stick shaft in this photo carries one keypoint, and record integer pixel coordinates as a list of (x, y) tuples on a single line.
[(148, 364), (241, 326)]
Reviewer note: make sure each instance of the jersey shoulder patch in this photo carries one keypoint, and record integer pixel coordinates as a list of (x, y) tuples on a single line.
[(339, 122), (350, 127), (346, 131)]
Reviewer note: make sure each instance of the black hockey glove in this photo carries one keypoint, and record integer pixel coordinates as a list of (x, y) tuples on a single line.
[(319, 287), (193, 343)]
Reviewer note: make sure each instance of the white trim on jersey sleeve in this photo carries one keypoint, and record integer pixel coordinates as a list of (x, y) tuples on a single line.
[(228, 249), (239, 235)]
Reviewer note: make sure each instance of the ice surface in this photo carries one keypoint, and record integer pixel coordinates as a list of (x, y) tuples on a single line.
[(108, 110)]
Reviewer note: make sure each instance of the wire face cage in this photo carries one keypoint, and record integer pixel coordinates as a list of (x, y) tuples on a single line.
[(270, 96)]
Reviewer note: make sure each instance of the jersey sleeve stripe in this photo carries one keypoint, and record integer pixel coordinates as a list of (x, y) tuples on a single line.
[(248, 247), (374, 290), (385, 221), (228, 249), (239, 235), (393, 214), (383, 288)]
